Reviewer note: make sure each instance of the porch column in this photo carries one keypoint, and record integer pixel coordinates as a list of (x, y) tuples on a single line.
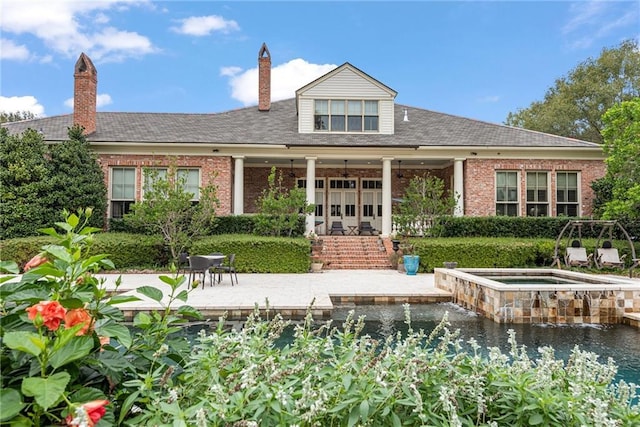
[(310, 221), (458, 186), (238, 185), (386, 196)]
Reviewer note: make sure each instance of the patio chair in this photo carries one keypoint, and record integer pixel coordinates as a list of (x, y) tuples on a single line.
[(576, 256), (199, 265), (183, 262), (366, 227), (229, 267), (214, 266), (607, 256), (336, 227)]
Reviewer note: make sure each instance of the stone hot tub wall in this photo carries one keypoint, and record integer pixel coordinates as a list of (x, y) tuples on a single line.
[(562, 304)]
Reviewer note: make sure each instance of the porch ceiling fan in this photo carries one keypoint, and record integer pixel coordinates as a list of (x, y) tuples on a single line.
[(399, 174), (292, 174), (345, 174)]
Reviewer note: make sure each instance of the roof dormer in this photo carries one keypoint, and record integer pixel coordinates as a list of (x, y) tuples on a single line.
[(345, 100)]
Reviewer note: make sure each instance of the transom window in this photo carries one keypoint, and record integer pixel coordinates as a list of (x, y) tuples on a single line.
[(341, 115), (507, 193), (567, 193), (537, 194), (123, 191)]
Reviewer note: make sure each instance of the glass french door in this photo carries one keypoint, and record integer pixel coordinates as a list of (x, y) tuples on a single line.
[(343, 202), (372, 208)]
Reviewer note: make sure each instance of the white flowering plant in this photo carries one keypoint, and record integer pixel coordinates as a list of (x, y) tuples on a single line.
[(336, 376)]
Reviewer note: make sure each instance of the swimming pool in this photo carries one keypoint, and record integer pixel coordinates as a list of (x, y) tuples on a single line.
[(575, 298), (620, 342)]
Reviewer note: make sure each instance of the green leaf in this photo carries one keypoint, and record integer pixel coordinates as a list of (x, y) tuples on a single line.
[(58, 252), (354, 416), (9, 267), (10, 403), (65, 335), (28, 342), (183, 295), (188, 311), (120, 299), (115, 330), (536, 419), (46, 391), (346, 381), (77, 348), (151, 292), (364, 410), (142, 320), (395, 419), (126, 406)]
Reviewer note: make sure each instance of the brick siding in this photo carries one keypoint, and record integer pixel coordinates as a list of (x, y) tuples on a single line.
[(213, 170), (479, 182)]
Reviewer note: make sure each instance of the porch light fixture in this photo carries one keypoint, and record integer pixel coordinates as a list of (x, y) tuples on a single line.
[(292, 174), (399, 174), (345, 173)]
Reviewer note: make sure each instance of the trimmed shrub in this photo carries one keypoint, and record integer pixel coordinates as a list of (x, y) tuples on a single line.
[(259, 254), (125, 250), (483, 252)]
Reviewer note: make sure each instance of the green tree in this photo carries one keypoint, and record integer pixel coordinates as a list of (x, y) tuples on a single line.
[(280, 208), (77, 181), (424, 206), (622, 146), (16, 116), (574, 106), (24, 184), (169, 209)]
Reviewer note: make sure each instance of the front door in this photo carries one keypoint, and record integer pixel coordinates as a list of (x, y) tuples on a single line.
[(343, 202)]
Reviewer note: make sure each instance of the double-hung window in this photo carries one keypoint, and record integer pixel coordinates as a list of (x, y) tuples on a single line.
[(189, 178), (507, 202), (537, 194), (567, 194), (340, 115), (123, 191)]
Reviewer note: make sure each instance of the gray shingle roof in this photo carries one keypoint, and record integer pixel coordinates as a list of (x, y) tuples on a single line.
[(279, 126)]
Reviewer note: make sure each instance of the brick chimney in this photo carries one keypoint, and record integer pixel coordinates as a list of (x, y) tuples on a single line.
[(264, 78), (85, 91)]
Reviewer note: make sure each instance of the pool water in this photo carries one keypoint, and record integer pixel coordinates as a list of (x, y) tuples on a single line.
[(620, 342), (531, 280)]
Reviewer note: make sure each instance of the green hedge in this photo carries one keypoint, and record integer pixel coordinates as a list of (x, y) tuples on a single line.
[(483, 252), (127, 251), (529, 227), (259, 254)]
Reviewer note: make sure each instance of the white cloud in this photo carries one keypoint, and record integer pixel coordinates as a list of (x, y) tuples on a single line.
[(285, 80), (14, 104), (10, 50), (489, 99), (205, 25), (593, 20), (102, 99), (60, 26)]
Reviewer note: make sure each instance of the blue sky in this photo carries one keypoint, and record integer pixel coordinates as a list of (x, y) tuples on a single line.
[(476, 59)]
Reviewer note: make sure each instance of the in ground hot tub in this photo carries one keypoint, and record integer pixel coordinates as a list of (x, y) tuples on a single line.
[(540, 295)]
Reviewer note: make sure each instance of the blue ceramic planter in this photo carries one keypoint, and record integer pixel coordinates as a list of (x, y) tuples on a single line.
[(411, 264)]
